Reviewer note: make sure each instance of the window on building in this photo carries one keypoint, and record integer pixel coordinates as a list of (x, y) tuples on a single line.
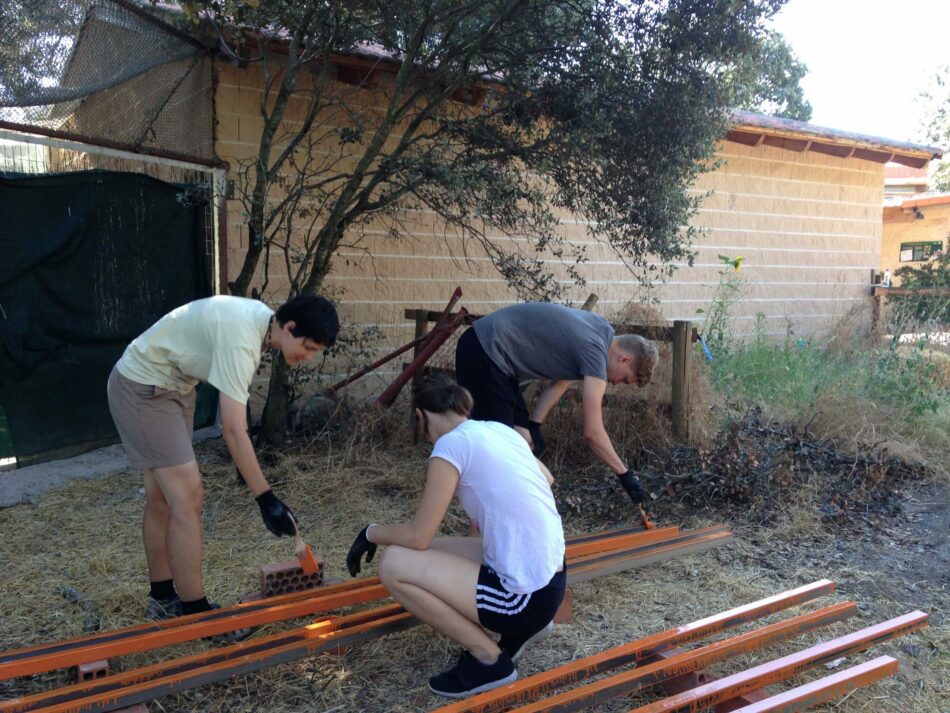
[(917, 252)]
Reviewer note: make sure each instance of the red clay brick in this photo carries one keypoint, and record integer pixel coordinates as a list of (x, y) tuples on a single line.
[(92, 669), (285, 577), (565, 612)]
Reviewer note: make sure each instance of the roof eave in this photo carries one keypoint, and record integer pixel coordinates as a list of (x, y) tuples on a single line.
[(757, 129)]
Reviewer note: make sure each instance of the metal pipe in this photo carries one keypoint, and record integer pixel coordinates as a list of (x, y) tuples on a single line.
[(437, 337)]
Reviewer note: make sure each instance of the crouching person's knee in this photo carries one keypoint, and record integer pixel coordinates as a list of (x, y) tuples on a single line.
[(392, 563)]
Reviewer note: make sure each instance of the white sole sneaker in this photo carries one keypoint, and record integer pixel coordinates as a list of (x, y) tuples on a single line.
[(535, 638)]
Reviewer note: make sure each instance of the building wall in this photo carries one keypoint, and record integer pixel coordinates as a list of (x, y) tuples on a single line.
[(902, 228), (808, 227)]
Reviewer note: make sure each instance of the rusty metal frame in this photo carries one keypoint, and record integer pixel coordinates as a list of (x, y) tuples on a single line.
[(730, 687), (144, 637), (330, 634), (527, 688), (646, 675), (456, 296), (437, 337), (613, 563), (145, 684), (825, 689)]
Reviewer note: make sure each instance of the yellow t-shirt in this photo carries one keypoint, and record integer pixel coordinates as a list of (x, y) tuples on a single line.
[(216, 340)]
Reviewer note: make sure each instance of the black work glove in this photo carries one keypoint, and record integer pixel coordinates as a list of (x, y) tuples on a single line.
[(360, 546), (277, 516), (534, 428), (631, 484)]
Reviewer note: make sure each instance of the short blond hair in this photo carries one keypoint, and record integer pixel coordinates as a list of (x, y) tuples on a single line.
[(643, 350)]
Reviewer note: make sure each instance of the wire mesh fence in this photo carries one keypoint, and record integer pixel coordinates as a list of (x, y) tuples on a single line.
[(105, 71)]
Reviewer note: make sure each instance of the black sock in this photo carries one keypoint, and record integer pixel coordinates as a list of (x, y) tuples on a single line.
[(163, 591), (196, 606)]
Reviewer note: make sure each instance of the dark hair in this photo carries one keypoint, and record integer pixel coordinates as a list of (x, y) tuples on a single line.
[(439, 393), (314, 318)]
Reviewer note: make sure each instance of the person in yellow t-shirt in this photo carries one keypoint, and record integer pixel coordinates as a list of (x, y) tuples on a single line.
[(217, 340)]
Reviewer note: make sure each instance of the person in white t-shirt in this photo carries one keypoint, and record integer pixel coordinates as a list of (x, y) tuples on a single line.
[(217, 340), (511, 579)]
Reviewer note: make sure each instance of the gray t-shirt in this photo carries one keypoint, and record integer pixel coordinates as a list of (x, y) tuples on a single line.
[(540, 340)]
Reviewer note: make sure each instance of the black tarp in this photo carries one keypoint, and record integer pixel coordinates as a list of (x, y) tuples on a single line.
[(88, 261)]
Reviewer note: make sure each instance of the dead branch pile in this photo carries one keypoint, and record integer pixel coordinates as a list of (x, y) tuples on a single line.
[(759, 467)]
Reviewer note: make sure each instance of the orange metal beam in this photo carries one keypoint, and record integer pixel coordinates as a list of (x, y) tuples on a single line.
[(593, 552), (525, 689), (738, 684), (627, 540), (618, 562), (825, 689), (651, 674), (24, 662), (383, 617), (45, 657), (141, 685), (146, 683), (176, 676)]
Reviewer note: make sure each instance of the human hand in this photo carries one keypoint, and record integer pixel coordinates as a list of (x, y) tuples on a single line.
[(361, 545), (534, 428), (277, 517), (631, 484)]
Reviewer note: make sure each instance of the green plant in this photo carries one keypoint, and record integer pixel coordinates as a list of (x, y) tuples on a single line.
[(717, 318), (906, 380), (922, 308)]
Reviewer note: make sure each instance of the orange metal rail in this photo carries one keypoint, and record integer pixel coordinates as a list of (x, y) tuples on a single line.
[(687, 544), (144, 637), (825, 689), (145, 684), (725, 689), (528, 688), (651, 674), (151, 682)]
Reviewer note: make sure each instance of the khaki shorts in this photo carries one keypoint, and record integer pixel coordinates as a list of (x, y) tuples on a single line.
[(155, 424)]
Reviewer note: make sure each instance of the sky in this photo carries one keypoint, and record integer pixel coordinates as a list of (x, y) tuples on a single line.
[(867, 60)]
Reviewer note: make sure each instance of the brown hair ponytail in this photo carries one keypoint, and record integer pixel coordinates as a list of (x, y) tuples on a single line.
[(439, 394)]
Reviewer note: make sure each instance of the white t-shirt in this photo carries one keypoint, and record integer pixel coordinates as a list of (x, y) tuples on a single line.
[(216, 340), (506, 495)]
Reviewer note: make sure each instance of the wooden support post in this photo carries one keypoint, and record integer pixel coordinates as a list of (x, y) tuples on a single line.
[(422, 326), (680, 378)]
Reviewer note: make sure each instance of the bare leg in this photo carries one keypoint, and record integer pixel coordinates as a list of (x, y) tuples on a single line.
[(155, 529), (181, 486), (439, 588), (524, 434)]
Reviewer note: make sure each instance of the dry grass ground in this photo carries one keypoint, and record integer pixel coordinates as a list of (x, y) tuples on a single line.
[(86, 536)]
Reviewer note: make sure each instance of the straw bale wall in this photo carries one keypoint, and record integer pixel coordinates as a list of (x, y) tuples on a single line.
[(900, 228), (808, 227)]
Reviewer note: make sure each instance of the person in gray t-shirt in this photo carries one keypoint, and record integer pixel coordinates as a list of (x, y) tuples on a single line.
[(539, 340)]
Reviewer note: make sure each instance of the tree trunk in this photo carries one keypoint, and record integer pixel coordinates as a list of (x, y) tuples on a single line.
[(274, 419)]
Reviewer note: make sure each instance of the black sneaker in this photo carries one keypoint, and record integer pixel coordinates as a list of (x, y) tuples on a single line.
[(515, 647), (470, 676), (160, 609), (229, 637)]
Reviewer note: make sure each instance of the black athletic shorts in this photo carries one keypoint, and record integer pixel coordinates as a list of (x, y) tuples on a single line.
[(517, 615), (497, 396)]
